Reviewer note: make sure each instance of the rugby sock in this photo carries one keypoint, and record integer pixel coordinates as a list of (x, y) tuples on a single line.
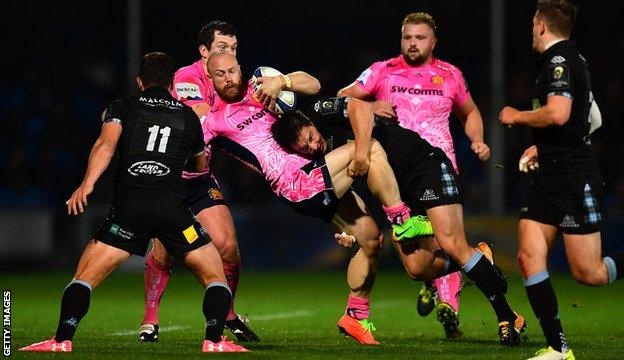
[(232, 274), (217, 300), (615, 266), (481, 272), (74, 306), (397, 214), (357, 307), (450, 265), (448, 288), (156, 279), (544, 303)]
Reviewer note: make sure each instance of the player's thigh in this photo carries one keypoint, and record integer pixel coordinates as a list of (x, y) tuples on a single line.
[(448, 226), (219, 225), (584, 253), (534, 241), (205, 263), (97, 261), (337, 162), (353, 218), (159, 252)]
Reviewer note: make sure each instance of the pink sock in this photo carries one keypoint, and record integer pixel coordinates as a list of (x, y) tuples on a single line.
[(397, 214), (357, 307), (232, 274), (156, 279), (449, 287)]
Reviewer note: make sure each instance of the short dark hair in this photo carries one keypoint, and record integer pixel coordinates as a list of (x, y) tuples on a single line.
[(420, 18), (156, 69), (207, 33), (287, 128), (559, 15)]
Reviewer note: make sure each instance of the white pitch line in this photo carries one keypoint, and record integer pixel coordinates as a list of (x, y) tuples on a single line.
[(283, 315), (165, 328)]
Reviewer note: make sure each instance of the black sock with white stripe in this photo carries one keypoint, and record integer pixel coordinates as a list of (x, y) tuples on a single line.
[(217, 301), (74, 307)]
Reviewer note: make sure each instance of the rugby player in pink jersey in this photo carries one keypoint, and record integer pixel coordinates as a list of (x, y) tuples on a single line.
[(192, 86), (420, 92), (241, 125)]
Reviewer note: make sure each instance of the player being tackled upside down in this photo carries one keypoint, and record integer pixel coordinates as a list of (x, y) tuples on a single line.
[(417, 166)]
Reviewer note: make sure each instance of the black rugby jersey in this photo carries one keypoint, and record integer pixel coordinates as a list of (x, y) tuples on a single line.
[(159, 135), (564, 71)]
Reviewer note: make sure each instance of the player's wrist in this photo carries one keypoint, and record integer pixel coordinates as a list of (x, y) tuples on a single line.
[(287, 82)]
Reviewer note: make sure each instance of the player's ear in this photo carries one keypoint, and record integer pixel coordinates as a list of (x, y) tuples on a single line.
[(204, 51), (139, 83)]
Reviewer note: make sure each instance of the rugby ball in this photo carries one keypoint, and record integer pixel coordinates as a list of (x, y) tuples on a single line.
[(286, 100)]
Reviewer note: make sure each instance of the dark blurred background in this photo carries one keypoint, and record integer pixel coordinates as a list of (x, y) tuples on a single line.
[(63, 62)]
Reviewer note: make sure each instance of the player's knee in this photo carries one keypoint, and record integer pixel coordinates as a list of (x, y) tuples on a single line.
[(160, 254), (588, 275), (228, 250), (371, 244), (415, 270)]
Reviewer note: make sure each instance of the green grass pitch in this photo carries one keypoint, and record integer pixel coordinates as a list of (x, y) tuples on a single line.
[(295, 315)]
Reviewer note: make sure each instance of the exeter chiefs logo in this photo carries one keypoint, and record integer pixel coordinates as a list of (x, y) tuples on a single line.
[(215, 194), (437, 80)]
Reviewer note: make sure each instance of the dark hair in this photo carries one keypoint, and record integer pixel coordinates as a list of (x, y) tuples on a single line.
[(156, 69), (287, 128), (559, 16), (207, 33)]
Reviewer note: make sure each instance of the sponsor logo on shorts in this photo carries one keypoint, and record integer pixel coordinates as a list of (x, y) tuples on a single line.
[(568, 222), (119, 231), (190, 234), (215, 194), (148, 168), (326, 199), (429, 195)]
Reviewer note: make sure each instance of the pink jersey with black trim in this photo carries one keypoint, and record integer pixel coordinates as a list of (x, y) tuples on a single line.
[(244, 129), (424, 96), (192, 86)]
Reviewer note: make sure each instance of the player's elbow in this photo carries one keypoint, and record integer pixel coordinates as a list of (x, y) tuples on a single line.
[(559, 118), (343, 92)]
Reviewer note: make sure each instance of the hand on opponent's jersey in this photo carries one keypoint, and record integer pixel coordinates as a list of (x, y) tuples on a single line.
[(78, 201), (384, 109)]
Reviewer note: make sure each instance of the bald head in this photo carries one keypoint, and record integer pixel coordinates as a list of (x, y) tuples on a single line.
[(225, 73)]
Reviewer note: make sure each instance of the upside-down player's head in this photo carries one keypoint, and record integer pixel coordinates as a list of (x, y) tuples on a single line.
[(418, 38), (296, 132), (553, 19), (217, 36), (225, 73), (156, 69)]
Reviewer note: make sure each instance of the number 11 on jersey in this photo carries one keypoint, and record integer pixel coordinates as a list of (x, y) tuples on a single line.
[(151, 142)]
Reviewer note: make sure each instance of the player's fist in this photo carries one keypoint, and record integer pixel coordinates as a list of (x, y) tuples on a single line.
[(358, 167), (344, 239), (508, 115), (481, 149), (528, 160)]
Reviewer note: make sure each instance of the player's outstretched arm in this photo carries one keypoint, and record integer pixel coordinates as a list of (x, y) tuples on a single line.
[(380, 107), (298, 81), (471, 118), (101, 155)]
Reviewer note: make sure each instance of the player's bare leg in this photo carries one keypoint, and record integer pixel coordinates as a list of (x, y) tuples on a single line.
[(97, 261), (353, 218)]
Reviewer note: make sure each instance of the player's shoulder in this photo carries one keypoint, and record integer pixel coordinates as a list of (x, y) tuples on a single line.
[(389, 63), (445, 67)]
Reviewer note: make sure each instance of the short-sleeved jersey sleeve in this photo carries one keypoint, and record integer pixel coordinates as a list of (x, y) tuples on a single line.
[(369, 79), (558, 77), (114, 112), (462, 94), (331, 111), (189, 89), (197, 134)]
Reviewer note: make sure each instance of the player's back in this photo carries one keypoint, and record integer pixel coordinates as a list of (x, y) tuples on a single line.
[(159, 134)]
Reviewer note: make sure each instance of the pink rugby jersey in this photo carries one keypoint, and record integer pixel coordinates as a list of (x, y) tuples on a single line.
[(192, 86), (243, 129), (424, 96)]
